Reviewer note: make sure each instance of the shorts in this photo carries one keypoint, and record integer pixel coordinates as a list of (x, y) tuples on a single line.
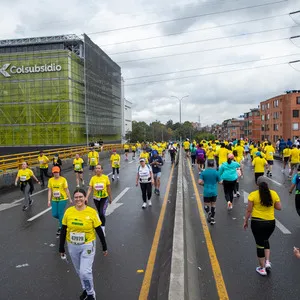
[(294, 166), (247, 152), (186, 150), (126, 151), (156, 175), (133, 151), (79, 172), (258, 175), (200, 161), (210, 199), (92, 168), (270, 162), (286, 159)]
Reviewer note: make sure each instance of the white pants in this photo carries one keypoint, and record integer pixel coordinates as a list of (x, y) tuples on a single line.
[(82, 257)]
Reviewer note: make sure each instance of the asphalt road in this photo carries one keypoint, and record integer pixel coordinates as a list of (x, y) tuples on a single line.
[(235, 248), (31, 267)]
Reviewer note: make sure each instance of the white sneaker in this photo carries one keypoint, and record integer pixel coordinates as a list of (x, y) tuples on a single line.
[(229, 205), (268, 265), (118, 177), (234, 195), (238, 194), (78, 186), (282, 170), (149, 203), (144, 205), (261, 271)]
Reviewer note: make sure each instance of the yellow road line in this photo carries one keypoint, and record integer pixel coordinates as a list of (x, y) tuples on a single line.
[(144, 292), (220, 284)]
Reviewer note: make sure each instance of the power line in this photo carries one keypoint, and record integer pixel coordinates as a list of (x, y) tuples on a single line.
[(186, 18), (205, 40), (204, 50), (210, 67), (195, 30), (201, 75)]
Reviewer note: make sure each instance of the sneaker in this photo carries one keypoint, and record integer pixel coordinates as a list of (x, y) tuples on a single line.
[(158, 193), (212, 221), (261, 271), (58, 233), (25, 208), (238, 193), (113, 178), (90, 297), (78, 186), (149, 203), (83, 295), (234, 195), (229, 205), (282, 170), (82, 182), (270, 174), (30, 202), (209, 217), (268, 265), (144, 205)]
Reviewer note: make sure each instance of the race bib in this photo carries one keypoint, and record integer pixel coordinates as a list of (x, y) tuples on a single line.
[(77, 167), (77, 238), (99, 186), (56, 194), (23, 178), (270, 153), (41, 162), (144, 179), (93, 159), (116, 162)]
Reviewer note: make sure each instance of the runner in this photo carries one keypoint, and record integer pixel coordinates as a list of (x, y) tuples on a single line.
[(156, 162), (210, 154), (145, 155), (93, 159), (186, 146), (172, 152), (286, 157), (259, 163), (269, 151), (43, 161), (261, 205), (100, 186), (133, 150), (115, 163), (58, 196), (210, 178), (228, 173), (193, 151), (296, 184), (294, 159), (78, 165), (201, 156), (80, 223), (57, 161), (126, 149), (237, 159), (25, 175), (222, 154), (145, 178)]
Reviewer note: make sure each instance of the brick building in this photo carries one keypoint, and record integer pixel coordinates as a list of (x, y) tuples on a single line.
[(216, 130), (252, 125), (280, 116), (235, 129)]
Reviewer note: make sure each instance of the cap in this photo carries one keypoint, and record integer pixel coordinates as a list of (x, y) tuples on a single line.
[(142, 159), (154, 152), (230, 155), (262, 179), (257, 153), (55, 169)]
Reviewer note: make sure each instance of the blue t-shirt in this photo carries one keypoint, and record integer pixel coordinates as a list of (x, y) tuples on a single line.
[(156, 168), (211, 177), (294, 181)]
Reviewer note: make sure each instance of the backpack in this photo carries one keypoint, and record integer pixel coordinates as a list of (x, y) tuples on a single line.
[(146, 165), (298, 182)]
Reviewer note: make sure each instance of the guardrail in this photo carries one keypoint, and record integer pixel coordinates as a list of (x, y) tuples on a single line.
[(14, 161)]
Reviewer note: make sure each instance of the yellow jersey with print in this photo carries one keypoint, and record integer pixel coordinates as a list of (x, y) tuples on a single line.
[(269, 151), (43, 161), (160, 151), (77, 163), (260, 211), (99, 185), (81, 225), (58, 188), (210, 154), (286, 152), (259, 164), (93, 157), (115, 160), (186, 145), (222, 154), (294, 156), (24, 175), (126, 147), (145, 155)]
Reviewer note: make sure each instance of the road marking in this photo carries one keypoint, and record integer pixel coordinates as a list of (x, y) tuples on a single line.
[(274, 181), (5, 206), (114, 205), (246, 195), (109, 174), (131, 161), (38, 215), (20, 200), (220, 284), (144, 292), (281, 227)]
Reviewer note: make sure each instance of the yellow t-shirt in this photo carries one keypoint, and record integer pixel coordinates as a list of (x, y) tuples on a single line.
[(24, 175), (78, 164), (154, 147), (260, 211), (259, 164), (126, 147), (43, 161), (240, 151), (160, 151), (210, 154), (253, 151), (58, 188), (115, 160), (133, 148), (238, 159), (294, 156), (99, 185), (222, 154), (286, 152), (145, 155), (269, 150), (186, 145), (81, 225), (93, 157)]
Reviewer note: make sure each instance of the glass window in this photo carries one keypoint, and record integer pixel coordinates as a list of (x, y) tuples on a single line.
[(298, 100), (295, 113), (263, 117), (268, 117), (295, 126)]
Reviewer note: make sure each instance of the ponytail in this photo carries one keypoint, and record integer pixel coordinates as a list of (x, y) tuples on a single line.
[(229, 160)]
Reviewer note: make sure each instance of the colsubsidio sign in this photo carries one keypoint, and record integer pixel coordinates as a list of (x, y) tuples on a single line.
[(7, 69)]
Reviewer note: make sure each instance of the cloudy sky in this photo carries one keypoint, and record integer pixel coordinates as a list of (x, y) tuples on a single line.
[(227, 55)]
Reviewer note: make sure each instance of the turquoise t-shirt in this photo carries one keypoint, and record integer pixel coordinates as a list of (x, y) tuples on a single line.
[(211, 177), (294, 181)]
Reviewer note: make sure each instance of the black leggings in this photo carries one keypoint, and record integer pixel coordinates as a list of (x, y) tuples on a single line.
[(297, 203), (193, 157), (258, 175), (44, 172), (146, 190), (228, 189), (262, 230), (114, 170), (101, 206)]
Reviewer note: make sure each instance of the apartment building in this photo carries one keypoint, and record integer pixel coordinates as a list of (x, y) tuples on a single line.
[(216, 130), (280, 117), (235, 128), (252, 125)]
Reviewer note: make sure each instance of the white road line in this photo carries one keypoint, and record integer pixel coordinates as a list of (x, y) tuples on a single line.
[(131, 161), (38, 215), (5, 206), (246, 195), (281, 227), (20, 200), (277, 183), (114, 205), (109, 174)]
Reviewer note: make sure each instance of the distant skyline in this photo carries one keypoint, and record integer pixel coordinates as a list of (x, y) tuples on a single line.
[(214, 47)]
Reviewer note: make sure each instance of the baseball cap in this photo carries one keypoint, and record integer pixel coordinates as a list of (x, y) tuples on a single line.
[(142, 159), (257, 153), (154, 152), (230, 155), (55, 169), (262, 179)]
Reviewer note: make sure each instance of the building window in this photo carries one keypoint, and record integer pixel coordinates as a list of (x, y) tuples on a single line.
[(263, 107), (268, 117), (295, 113), (298, 100), (275, 127), (275, 103), (262, 117), (295, 126), (268, 105)]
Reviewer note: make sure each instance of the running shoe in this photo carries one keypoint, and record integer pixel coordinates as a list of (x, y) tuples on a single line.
[(113, 178), (25, 208), (82, 182), (78, 186), (212, 221), (234, 195), (30, 202), (261, 271), (83, 295), (58, 232), (149, 203), (238, 194), (158, 192), (268, 265), (144, 205), (270, 174), (118, 177), (229, 205), (209, 217)]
